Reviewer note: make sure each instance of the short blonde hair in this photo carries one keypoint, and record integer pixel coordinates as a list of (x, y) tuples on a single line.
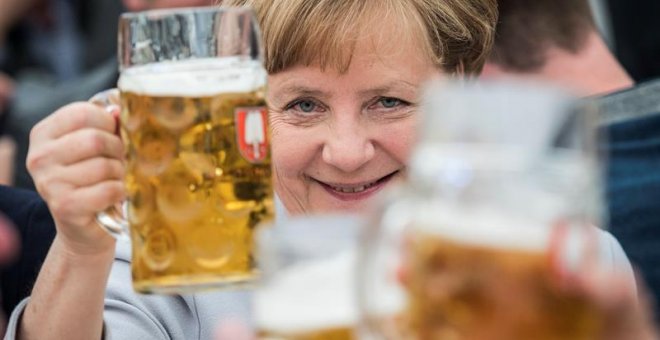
[(459, 33)]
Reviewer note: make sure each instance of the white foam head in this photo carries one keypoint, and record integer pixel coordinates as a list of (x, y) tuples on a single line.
[(481, 226), (196, 77), (310, 296)]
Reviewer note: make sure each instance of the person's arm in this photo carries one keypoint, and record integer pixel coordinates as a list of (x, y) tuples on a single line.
[(130, 315), (67, 300), (75, 160)]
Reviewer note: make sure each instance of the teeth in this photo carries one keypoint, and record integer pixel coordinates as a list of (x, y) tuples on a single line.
[(354, 190)]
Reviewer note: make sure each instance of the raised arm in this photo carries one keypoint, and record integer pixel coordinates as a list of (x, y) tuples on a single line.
[(75, 160)]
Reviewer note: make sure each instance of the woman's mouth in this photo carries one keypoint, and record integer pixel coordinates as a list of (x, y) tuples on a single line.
[(358, 191)]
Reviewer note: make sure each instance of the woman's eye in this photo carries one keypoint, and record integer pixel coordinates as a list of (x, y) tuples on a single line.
[(304, 106), (391, 108), (389, 103)]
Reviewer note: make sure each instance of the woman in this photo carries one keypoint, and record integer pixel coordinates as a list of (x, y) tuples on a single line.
[(344, 79)]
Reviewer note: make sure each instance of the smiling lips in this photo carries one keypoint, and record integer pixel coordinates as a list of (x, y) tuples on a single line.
[(356, 191)]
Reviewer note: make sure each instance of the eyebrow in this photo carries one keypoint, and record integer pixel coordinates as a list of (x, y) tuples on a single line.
[(394, 85), (301, 90)]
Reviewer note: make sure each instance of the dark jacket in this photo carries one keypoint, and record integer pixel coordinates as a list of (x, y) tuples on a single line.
[(36, 230), (632, 127)]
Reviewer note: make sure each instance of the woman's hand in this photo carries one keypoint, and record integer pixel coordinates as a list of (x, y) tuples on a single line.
[(75, 159)]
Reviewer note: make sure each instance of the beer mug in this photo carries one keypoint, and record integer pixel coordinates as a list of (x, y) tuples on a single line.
[(307, 289), (503, 194), (195, 128)]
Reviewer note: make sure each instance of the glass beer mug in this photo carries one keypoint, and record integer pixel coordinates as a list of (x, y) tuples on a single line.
[(503, 193), (307, 288), (195, 128)]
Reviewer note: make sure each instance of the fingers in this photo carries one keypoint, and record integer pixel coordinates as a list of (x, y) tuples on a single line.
[(76, 162), (74, 147), (70, 118), (80, 158), (84, 173)]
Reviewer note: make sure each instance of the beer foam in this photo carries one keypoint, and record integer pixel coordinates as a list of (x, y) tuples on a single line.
[(311, 296), (484, 227), (194, 78)]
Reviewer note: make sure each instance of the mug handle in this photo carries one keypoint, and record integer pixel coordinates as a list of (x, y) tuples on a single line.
[(113, 219)]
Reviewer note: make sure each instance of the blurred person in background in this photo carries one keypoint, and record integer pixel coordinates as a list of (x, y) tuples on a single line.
[(556, 41), (27, 216), (10, 12), (634, 26), (53, 52)]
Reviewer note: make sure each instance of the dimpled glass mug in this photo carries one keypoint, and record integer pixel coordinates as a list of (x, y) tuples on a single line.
[(195, 128), (503, 191), (307, 289)]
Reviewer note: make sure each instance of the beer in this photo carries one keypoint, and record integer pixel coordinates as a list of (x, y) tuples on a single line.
[(321, 334), (198, 171), (309, 301), (483, 277)]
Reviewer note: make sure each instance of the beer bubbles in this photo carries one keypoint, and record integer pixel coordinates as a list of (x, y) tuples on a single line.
[(193, 196)]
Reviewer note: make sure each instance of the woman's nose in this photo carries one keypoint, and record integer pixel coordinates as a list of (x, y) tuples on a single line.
[(348, 147)]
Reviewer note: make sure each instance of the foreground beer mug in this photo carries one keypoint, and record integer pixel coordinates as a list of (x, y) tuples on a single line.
[(503, 193), (307, 289), (194, 124)]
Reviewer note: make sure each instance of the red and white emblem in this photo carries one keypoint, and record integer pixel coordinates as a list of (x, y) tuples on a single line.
[(252, 133)]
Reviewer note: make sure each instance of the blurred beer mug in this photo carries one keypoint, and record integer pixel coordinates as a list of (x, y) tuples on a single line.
[(503, 193), (307, 289), (194, 124)]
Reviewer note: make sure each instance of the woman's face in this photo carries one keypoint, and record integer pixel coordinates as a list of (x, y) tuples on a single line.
[(340, 138)]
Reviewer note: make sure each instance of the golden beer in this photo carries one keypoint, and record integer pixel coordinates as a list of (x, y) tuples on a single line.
[(321, 334), (460, 289), (198, 172)]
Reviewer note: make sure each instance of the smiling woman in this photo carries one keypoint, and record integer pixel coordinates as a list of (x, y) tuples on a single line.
[(344, 84)]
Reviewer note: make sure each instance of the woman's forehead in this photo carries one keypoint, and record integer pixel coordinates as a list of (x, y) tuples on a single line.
[(372, 71), (333, 43)]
